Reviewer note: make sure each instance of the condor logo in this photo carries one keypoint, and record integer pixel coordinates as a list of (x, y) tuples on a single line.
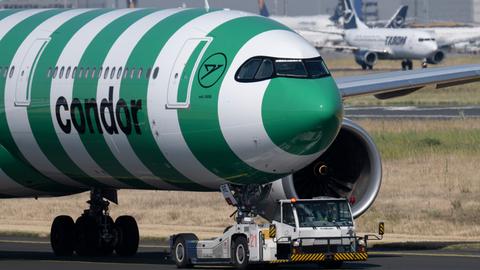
[(104, 116)]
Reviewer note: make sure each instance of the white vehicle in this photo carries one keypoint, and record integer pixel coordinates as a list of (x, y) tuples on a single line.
[(319, 230)]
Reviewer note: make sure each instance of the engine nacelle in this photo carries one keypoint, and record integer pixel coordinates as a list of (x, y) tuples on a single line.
[(366, 58), (350, 168), (436, 58)]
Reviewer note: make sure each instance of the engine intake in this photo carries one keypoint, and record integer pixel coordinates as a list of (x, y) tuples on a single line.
[(366, 58), (350, 168), (436, 58)]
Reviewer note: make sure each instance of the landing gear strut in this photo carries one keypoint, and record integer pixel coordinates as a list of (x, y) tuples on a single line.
[(244, 197), (94, 233), (407, 65)]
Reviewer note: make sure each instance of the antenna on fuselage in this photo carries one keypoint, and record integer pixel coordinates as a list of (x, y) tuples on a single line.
[(207, 5)]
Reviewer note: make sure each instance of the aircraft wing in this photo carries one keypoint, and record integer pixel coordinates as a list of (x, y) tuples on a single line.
[(454, 40), (354, 49), (395, 84)]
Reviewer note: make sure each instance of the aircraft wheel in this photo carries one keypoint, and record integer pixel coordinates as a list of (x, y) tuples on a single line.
[(364, 66), (240, 254), (86, 236), (127, 236), (409, 64), (404, 65), (62, 236), (107, 243)]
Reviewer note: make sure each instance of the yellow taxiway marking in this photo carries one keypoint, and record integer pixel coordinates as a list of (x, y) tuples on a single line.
[(424, 254)]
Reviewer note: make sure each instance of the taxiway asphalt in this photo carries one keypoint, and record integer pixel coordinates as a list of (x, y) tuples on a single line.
[(411, 112), (20, 254)]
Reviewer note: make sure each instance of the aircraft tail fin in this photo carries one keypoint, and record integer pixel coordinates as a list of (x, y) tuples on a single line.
[(351, 18), (399, 18), (263, 8), (339, 12)]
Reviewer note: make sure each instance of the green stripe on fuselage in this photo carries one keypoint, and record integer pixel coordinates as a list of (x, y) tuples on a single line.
[(144, 55), (39, 112), (8, 47), (83, 89), (7, 12), (200, 124)]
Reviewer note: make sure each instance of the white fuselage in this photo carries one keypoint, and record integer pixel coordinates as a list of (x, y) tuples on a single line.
[(395, 43)]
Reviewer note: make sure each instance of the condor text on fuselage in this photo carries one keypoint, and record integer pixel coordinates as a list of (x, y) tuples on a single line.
[(106, 116)]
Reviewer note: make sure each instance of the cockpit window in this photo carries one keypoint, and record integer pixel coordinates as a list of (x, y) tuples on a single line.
[(316, 68), (265, 71), (426, 39), (290, 68), (263, 68), (249, 69)]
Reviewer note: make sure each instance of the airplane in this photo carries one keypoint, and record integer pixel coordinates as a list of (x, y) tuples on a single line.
[(100, 100), (316, 28), (372, 44), (447, 37)]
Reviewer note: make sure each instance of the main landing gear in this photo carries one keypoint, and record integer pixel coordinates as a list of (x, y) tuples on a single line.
[(407, 64), (95, 233)]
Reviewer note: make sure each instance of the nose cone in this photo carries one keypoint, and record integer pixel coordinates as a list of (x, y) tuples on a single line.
[(302, 116)]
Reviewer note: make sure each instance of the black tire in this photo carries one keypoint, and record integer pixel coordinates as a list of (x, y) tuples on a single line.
[(240, 254), (179, 251), (87, 236), (106, 248), (128, 236), (62, 236)]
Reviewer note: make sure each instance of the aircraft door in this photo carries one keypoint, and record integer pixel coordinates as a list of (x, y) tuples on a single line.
[(22, 91), (182, 75)]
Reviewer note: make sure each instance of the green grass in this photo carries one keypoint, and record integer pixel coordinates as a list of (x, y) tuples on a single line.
[(394, 145)]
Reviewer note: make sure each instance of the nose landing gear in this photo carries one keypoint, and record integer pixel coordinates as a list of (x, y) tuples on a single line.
[(95, 233)]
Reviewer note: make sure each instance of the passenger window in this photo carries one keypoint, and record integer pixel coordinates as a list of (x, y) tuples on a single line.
[(67, 74), (87, 72), (140, 71), (55, 72), (105, 74), (265, 71), (155, 73), (12, 70), (132, 73), (5, 72), (74, 72), (49, 72), (94, 72), (60, 75), (248, 70), (149, 72), (112, 75), (80, 73), (100, 72), (125, 73), (119, 73)]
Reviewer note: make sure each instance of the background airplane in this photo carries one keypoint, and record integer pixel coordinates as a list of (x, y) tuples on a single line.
[(99, 100), (372, 44)]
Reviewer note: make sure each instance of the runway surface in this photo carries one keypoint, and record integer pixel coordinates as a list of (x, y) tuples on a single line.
[(16, 254), (413, 112)]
